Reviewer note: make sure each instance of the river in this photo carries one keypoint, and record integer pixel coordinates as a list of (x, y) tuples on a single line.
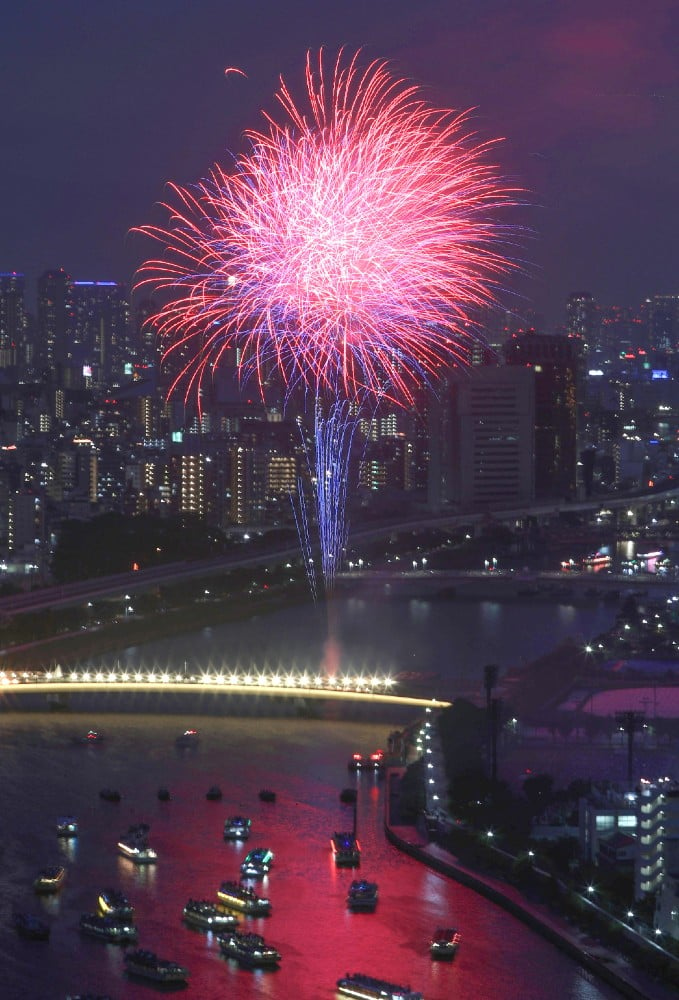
[(44, 773)]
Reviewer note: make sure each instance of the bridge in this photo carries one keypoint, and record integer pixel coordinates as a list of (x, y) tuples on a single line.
[(55, 684)]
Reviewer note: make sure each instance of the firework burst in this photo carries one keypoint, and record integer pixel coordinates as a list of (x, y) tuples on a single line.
[(344, 249)]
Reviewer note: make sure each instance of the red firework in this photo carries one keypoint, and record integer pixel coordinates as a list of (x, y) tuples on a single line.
[(345, 248)]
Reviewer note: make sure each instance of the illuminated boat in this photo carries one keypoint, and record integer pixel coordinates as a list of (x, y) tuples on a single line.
[(147, 964), (362, 895), (137, 851), (31, 927), (445, 943), (237, 828), (376, 760), (241, 897), (249, 949), (67, 826), (257, 863), (203, 913), (114, 904), (346, 850), (91, 737), (357, 762), (189, 738), (358, 984), (135, 846), (108, 929), (50, 879)]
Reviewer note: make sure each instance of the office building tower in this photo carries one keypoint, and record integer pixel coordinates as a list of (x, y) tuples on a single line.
[(55, 312), (583, 320), (488, 450), (12, 318), (663, 323), (99, 342), (556, 363)]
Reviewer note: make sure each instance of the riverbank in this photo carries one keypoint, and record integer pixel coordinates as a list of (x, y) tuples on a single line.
[(603, 962)]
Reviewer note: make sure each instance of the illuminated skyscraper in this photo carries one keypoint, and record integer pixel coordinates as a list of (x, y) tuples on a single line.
[(555, 361), (12, 318), (54, 317), (583, 320)]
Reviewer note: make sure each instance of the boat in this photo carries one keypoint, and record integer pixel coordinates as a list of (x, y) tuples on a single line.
[(241, 897), (189, 738), (346, 849), (30, 926), (237, 828), (267, 795), (249, 949), (358, 984), (356, 762), (348, 795), (114, 904), (88, 996), (91, 737), (50, 879), (108, 929), (164, 795), (214, 793), (445, 942), (67, 826), (362, 895), (110, 794), (137, 851), (257, 863), (376, 760), (203, 913), (135, 846), (141, 962)]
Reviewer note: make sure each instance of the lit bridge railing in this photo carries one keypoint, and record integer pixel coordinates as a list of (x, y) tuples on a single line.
[(347, 686)]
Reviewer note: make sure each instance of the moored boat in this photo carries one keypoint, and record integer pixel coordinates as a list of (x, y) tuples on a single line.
[(241, 897), (445, 942), (256, 863), (50, 879), (249, 949), (108, 929), (210, 916), (141, 962), (214, 793), (164, 794), (362, 895), (91, 737), (237, 828), (67, 826), (346, 849), (115, 904), (364, 987), (30, 926), (267, 795)]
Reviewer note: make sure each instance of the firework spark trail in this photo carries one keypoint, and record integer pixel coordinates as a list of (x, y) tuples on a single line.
[(345, 249)]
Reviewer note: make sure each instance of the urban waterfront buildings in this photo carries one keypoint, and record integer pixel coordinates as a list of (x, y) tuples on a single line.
[(86, 428)]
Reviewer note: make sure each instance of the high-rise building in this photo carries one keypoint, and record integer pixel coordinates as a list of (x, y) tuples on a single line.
[(12, 318), (100, 324), (556, 363), (583, 320), (663, 323), (55, 310), (489, 460)]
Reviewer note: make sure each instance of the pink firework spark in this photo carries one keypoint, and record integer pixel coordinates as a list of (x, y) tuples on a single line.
[(346, 247)]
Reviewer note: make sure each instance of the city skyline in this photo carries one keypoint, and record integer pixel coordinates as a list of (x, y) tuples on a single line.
[(107, 105)]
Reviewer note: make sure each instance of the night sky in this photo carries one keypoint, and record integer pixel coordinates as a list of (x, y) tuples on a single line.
[(102, 103)]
